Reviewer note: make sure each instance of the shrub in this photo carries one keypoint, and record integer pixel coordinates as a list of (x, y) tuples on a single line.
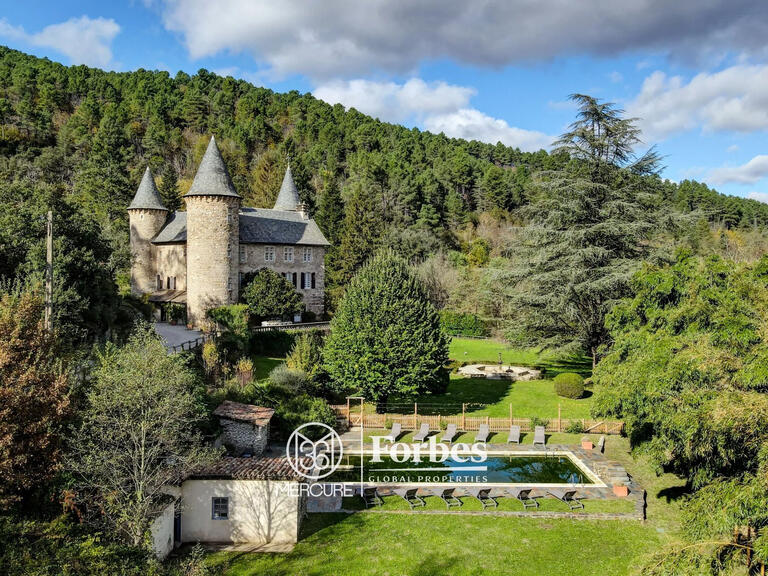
[(295, 410), (463, 324), (233, 322), (575, 427), (536, 421), (569, 385), (291, 379)]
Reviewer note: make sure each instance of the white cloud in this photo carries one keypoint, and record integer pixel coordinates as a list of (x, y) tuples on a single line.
[(437, 106), (749, 173), (392, 102), (733, 99), (338, 38), (472, 124), (83, 40), (760, 196), (616, 77), (733, 148)]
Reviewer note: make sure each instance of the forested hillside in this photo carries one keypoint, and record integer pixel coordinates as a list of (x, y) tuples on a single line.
[(77, 139)]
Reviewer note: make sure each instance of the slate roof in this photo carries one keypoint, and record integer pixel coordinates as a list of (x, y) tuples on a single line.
[(288, 197), (212, 177), (257, 226), (263, 226), (258, 415), (262, 468), (175, 229), (147, 196)]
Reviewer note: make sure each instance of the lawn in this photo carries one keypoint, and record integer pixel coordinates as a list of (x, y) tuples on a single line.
[(396, 544), (427, 545)]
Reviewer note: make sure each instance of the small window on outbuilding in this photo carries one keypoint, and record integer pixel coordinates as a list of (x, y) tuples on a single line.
[(220, 508)]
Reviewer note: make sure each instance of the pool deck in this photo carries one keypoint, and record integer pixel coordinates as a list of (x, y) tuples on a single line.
[(610, 473)]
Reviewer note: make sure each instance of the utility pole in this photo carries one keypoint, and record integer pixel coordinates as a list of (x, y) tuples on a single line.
[(49, 273)]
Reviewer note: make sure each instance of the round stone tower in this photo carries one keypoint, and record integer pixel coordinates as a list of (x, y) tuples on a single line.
[(146, 216), (213, 237)]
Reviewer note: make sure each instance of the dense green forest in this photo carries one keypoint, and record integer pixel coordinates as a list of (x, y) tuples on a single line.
[(77, 139)]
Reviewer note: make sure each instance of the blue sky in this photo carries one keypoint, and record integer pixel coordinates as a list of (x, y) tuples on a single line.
[(695, 72)]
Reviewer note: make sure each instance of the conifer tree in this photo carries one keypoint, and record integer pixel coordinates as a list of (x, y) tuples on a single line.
[(169, 188), (386, 337)]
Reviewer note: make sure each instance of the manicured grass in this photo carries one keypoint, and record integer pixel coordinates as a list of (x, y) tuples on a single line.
[(493, 397), (426, 545), (262, 366)]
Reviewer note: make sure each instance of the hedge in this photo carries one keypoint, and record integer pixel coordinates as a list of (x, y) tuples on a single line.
[(463, 324)]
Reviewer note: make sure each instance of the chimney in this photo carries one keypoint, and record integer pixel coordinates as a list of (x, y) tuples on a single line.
[(301, 208)]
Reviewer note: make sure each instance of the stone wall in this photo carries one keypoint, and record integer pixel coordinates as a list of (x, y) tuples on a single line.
[(212, 254), (171, 262), (313, 297), (144, 225), (243, 437)]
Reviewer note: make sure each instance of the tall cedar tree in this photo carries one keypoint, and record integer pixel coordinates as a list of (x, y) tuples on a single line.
[(386, 337), (589, 227), (33, 397)]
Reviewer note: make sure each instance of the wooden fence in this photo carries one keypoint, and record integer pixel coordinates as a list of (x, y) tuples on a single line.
[(353, 417), (286, 327)]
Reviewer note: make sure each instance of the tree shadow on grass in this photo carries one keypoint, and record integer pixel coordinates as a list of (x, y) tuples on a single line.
[(673, 493), (473, 392)]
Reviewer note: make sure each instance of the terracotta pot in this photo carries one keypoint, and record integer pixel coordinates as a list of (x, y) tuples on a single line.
[(621, 491)]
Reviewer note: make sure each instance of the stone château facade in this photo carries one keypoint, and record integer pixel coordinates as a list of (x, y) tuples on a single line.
[(199, 257)]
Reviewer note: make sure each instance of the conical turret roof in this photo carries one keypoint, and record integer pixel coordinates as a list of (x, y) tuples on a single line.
[(288, 198), (212, 178), (147, 197)]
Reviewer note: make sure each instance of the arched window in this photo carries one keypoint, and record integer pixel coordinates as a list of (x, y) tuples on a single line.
[(159, 282), (167, 282)]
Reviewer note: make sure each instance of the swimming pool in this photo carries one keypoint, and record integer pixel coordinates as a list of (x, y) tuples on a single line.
[(546, 469)]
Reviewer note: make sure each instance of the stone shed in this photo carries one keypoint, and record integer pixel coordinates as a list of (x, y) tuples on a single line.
[(246, 427)]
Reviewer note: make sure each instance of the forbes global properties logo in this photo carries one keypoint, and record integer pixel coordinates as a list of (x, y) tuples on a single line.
[(432, 451), (314, 459)]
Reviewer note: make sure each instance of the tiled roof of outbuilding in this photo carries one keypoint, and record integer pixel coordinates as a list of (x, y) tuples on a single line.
[(263, 468), (258, 415)]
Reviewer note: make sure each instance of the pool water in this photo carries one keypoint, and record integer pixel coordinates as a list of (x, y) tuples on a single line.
[(550, 469)]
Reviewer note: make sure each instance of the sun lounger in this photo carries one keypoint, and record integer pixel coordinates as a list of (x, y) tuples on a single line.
[(601, 444), (410, 495), (523, 495), (394, 433), (371, 497), (448, 495), (422, 434), (484, 496), (567, 496), (514, 434), (482, 433), (538, 436), (449, 434)]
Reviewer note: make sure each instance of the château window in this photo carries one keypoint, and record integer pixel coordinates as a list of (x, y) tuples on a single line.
[(229, 283), (295, 280), (174, 282), (242, 255), (269, 254), (288, 254), (229, 251), (220, 508), (307, 254), (168, 283), (313, 279), (159, 282)]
